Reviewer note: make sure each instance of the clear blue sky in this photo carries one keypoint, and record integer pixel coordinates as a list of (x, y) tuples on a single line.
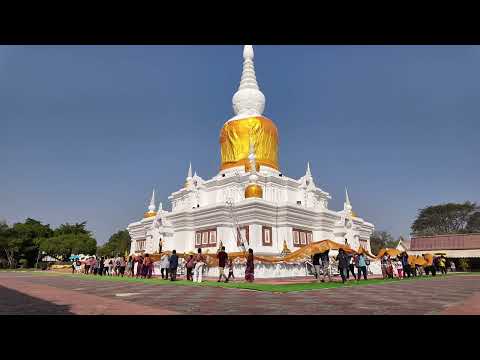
[(87, 131)]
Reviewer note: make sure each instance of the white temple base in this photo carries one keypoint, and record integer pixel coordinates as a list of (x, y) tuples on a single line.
[(269, 271)]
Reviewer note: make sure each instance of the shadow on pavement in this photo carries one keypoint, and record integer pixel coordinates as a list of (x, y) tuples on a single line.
[(13, 302)]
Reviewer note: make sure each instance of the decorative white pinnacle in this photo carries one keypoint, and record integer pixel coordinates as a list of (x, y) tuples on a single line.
[(189, 176), (347, 199), (308, 173), (151, 207), (248, 100), (160, 206)]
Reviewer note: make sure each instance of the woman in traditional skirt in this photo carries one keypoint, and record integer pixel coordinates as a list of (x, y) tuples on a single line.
[(139, 266), (249, 271), (146, 270)]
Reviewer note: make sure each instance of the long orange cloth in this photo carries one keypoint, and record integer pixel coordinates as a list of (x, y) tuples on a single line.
[(297, 256)]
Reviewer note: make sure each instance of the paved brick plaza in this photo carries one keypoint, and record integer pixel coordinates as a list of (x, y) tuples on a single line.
[(27, 293)]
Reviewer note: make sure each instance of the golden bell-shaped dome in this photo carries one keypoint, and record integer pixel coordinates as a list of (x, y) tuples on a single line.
[(235, 140), (149, 214), (253, 191)]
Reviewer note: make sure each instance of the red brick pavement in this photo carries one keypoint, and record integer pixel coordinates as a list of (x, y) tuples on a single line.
[(82, 304), (457, 294), (468, 307)]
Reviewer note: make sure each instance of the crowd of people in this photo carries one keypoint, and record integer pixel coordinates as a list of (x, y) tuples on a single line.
[(347, 263), (102, 266), (196, 264), (143, 266), (400, 267)]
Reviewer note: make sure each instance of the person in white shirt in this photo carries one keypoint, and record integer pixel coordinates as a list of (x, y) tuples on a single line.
[(452, 266), (399, 267), (165, 266), (111, 266)]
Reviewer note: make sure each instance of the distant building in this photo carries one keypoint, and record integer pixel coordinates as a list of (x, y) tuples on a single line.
[(453, 245), (403, 245)]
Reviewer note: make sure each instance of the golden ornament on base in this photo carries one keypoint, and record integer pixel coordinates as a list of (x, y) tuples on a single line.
[(149, 214), (253, 191)]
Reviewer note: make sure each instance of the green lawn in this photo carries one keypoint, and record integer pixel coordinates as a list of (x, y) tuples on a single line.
[(281, 288)]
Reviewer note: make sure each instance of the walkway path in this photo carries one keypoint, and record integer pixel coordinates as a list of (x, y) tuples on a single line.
[(27, 293)]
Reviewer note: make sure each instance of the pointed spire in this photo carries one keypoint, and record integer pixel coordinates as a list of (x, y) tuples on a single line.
[(151, 207), (160, 206), (308, 173), (248, 100), (189, 176), (347, 199), (249, 79)]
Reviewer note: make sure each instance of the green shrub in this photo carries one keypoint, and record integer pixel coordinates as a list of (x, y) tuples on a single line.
[(23, 263), (464, 264)]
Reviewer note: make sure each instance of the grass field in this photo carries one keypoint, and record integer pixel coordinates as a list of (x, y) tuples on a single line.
[(275, 288)]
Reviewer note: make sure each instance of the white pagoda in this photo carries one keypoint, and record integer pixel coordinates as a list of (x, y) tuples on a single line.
[(250, 200)]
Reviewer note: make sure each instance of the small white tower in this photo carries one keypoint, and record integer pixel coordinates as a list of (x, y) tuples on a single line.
[(188, 180), (347, 207), (151, 208), (189, 175)]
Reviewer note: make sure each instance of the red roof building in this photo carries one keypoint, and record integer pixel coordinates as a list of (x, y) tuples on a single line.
[(453, 245)]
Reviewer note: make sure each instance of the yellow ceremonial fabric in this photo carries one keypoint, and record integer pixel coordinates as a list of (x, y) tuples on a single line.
[(388, 251), (420, 261), (296, 256), (362, 250), (429, 259), (235, 142), (411, 260)]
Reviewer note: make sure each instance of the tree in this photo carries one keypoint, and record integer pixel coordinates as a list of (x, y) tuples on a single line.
[(25, 241), (75, 229), (117, 244), (69, 239), (381, 239), (24, 237), (473, 225), (448, 218), (8, 245)]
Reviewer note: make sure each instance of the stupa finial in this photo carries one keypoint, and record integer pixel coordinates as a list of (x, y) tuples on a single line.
[(308, 173), (347, 199), (189, 175), (248, 100), (151, 207)]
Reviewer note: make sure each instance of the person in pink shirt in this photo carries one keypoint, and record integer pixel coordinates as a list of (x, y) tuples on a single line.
[(93, 264), (88, 262)]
